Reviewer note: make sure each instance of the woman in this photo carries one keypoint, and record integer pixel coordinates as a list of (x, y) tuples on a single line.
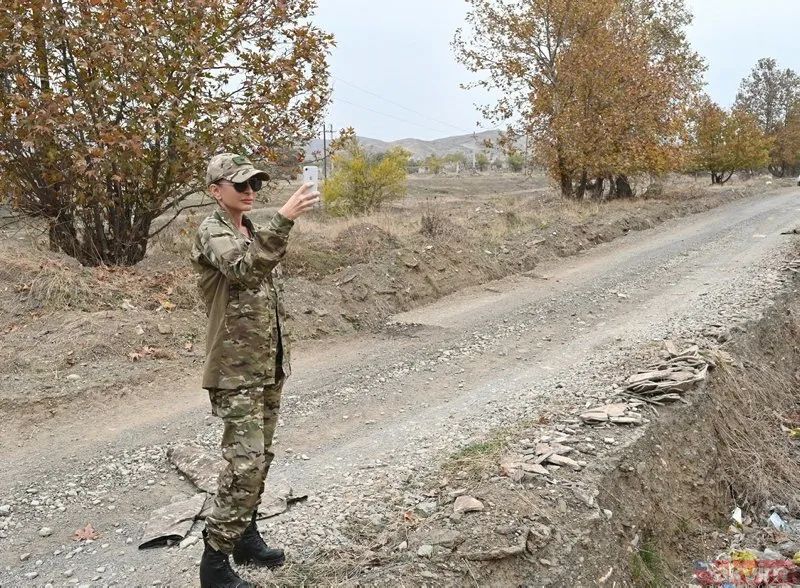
[(247, 356)]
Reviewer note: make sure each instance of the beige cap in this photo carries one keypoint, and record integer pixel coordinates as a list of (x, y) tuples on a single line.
[(232, 167)]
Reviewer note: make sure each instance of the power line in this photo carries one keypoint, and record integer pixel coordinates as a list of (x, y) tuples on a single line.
[(411, 122), (371, 93)]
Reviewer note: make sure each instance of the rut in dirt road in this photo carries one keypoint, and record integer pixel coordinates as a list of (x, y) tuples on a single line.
[(360, 415)]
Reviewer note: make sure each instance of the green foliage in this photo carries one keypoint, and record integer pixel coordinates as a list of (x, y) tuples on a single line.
[(361, 184), (435, 164), (516, 162), (482, 161), (110, 110), (457, 158)]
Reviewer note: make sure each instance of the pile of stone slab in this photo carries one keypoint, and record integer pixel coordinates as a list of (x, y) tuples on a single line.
[(618, 413), (541, 457), (667, 380)]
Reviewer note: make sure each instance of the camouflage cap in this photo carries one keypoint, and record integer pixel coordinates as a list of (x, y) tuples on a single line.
[(232, 167)]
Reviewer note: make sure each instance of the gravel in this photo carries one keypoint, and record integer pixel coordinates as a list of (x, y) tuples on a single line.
[(362, 437)]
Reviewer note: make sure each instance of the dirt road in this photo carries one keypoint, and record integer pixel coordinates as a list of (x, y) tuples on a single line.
[(362, 413)]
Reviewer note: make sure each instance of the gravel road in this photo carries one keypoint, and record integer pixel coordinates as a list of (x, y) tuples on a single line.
[(362, 416)]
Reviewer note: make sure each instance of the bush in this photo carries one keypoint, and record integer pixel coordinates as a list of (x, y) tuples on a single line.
[(361, 184)]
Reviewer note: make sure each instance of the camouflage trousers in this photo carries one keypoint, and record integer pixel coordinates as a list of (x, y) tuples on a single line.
[(249, 417)]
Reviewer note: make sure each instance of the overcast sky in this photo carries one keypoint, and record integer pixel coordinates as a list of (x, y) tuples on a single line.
[(395, 75)]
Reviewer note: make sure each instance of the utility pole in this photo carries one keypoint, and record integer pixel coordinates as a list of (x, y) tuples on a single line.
[(324, 152), (331, 131)]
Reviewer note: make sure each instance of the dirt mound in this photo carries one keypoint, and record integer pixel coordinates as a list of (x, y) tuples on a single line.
[(364, 240)]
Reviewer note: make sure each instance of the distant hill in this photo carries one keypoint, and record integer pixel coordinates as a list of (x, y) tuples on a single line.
[(467, 144)]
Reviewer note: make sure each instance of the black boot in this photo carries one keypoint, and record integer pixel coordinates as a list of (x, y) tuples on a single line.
[(216, 571), (252, 549)]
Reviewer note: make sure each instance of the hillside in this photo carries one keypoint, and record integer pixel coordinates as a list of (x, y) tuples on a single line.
[(419, 148)]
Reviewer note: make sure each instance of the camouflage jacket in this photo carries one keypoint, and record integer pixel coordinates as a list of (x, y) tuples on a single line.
[(241, 286)]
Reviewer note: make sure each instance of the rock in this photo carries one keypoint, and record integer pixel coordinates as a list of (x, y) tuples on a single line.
[(543, 448), (24, 556), (788, 548), (425, 551), (68, 573), (31, 575), (164, 329), (444, 537), (403, 546), (539, 536), (73, 377), (427, 508), (585, 496), (188, 541), (671, 348), (505, 530), (101, 570), (45, 532), (464, 504), (562, 460), (5, 510)]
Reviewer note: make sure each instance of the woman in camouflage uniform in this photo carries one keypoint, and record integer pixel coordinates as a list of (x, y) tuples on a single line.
[(247, 356)]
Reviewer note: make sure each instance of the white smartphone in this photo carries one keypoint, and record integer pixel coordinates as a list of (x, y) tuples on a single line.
[(311, 176)]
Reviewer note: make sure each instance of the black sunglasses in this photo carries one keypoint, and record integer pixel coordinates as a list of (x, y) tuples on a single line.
[(241, 187)]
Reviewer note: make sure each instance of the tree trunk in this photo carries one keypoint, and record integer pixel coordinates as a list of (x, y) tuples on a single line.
[(582, 185), (612, 188), (95, 239), (565, 179), (62, 234), (564, 176), (624, 189), (777, 170), (597, 188)]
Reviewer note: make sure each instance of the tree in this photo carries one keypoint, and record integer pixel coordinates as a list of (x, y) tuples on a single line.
[(785, 153), (598, 87), (728, 142), (482, 161), (516, 161), (361, 184), (434, 163), (771, 95), (458, 160), (109, 111)]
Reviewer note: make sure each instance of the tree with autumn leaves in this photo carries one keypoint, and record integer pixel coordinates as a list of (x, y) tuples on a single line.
[(600, 89), (110, 109), (772, 96), (726, 142)]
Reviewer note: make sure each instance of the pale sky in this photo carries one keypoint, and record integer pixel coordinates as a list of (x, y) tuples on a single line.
[(395, 75)]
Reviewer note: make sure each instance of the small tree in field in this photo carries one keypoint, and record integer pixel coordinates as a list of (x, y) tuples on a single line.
[(109, 110), (516, 162), (361, 184), (482, 161), (435, 164)]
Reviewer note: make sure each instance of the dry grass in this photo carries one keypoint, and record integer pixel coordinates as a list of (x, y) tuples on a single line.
[(753, 403), (48, 281)]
